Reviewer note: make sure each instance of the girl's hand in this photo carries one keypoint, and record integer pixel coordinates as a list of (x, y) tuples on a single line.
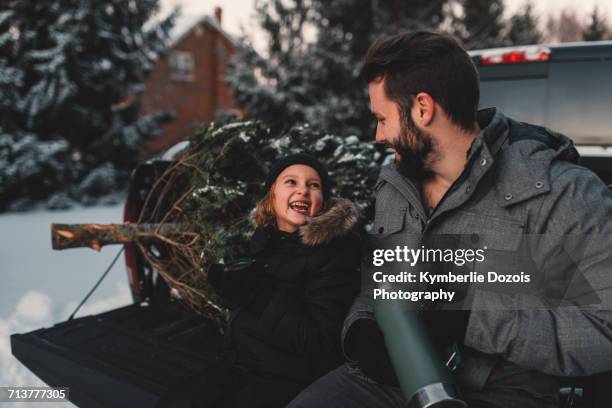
[(234, 281)]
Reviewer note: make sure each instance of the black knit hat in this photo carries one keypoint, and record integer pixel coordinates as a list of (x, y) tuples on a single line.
[(301, 158)]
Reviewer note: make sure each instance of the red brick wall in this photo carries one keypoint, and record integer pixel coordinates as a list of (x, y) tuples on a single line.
[(193, 101)]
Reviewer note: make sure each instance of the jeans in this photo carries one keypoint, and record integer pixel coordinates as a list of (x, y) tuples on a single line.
[(508, 387)]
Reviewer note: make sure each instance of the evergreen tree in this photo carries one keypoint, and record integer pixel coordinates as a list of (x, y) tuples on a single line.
[(71, 74), (310, 70), (11, 76), (480, 23), (523, 27), (597, 29)]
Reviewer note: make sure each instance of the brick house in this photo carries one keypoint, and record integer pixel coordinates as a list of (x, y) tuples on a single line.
[(189, 80)]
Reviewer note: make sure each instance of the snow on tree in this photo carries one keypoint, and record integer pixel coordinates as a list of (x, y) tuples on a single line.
[(71, 74), (27, 161), (309, 71), (11, 77), (524, 27), (597, 29)]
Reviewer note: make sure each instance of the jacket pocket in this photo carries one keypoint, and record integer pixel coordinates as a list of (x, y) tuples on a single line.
[(489, 233), (388, 232), (506, 260), (388, 222), (499, 234)]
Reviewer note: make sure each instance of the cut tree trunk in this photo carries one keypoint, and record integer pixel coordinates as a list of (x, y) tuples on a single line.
[(95, 236)]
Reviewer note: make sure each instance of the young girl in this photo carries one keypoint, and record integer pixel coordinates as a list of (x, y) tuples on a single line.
[(290, 298)]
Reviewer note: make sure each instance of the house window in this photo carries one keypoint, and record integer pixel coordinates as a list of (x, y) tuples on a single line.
[(182, 65)]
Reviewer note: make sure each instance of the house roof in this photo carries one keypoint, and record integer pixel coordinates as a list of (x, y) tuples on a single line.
[(187, 22)]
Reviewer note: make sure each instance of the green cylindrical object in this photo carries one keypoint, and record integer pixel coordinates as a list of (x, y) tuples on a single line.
[(424, 379)]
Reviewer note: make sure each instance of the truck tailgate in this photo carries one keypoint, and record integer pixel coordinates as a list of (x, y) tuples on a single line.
[(129, 356)]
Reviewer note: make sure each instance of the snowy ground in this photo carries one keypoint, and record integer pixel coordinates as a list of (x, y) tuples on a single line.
[(41, 287)]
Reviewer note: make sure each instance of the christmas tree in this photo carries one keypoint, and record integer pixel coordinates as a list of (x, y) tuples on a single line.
[(197, 213)]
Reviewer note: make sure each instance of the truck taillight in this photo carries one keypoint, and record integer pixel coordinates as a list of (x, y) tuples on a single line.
[(529, 54), (130, 214)]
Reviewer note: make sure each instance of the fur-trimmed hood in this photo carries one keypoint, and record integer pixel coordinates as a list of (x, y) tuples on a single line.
[(336, 221)]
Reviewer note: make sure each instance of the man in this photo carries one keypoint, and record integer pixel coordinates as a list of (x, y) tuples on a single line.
[(514, 189)]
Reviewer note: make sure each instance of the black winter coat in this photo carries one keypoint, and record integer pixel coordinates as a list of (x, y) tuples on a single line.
[(291, 327)]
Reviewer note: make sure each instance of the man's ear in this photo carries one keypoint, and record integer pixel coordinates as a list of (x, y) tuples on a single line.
[(423, 109)]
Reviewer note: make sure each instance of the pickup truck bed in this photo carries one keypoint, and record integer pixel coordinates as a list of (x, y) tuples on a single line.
[(128, 357)]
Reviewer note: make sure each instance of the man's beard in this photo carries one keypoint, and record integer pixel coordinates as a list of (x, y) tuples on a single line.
[(416, 150)]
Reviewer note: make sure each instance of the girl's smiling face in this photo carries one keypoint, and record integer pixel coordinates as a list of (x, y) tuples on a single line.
[(298, 195)]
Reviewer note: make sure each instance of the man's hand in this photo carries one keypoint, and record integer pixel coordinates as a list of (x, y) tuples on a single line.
[(446, 326)]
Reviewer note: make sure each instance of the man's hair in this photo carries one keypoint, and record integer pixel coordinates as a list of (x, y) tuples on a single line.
[(426, 62)]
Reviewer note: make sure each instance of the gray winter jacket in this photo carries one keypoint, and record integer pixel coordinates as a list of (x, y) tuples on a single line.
[(520, 180)]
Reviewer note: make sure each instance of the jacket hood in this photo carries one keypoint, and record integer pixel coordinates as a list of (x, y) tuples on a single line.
[(336, 221), (528, 154), (534, 140)]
